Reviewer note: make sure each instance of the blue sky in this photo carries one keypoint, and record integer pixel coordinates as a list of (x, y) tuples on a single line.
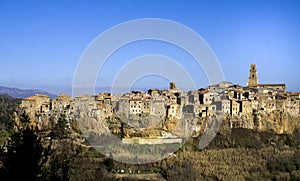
[(41, 42)]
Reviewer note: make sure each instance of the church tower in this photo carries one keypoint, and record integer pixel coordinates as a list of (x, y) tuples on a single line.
[(172, 85), (252, 81)]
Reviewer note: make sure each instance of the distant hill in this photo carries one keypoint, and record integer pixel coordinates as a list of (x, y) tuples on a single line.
[(22, 93)]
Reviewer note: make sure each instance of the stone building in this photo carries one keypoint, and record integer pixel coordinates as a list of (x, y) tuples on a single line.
[(210, 110), (123, 107), (38, 103), (174, 110), (157, 107), (277, 87), (104, 98), (62, 103), (105, 111), (205, 97), (280, 105), (245, 106), (223, 105), (146, 106), (254, 104), (34, 105), (135, 106), (235, 108), (193, 97)]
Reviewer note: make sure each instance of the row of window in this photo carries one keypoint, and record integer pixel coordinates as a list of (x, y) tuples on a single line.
[(137, 102), (135, 106), (135, 110)]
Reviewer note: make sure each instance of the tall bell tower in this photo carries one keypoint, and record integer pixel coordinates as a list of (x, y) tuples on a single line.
[(253, 80)]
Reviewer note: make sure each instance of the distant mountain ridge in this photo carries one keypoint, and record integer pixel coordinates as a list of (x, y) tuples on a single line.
[(22, 93)]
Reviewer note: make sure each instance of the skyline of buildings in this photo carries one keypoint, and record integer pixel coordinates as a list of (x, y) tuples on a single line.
[(265, 107)]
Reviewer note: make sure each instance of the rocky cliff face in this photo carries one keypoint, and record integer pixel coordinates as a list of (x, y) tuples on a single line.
[(88, 118), (277, 121)]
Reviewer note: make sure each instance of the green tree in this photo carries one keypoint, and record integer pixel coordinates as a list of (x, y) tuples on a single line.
[(8, 105), (64, 151), (61, 129), (59, 167), (109, 163), (23, 154)]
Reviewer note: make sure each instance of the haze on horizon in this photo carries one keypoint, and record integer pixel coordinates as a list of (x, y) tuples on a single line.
[(42, 41)]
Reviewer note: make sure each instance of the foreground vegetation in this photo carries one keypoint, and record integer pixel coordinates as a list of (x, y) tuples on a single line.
[(7, 107), (62, 154)]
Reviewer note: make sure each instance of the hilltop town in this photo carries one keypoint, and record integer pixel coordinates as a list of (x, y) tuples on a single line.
[(173, 113)]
